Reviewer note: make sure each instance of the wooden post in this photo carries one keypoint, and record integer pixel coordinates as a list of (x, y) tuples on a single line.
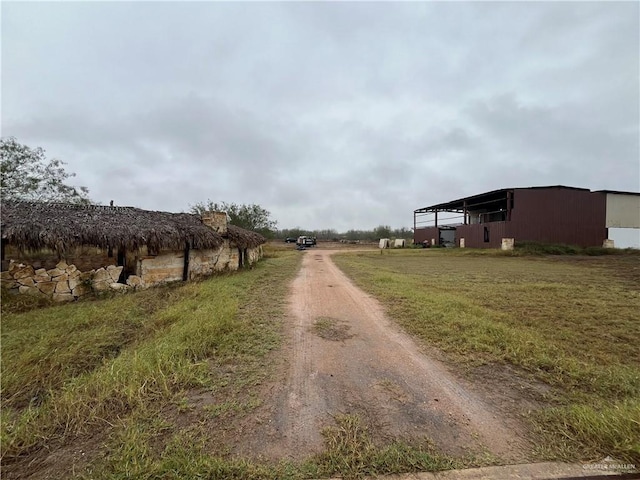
[(185, 271)]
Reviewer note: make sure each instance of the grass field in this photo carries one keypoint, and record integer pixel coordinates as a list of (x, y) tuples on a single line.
[(117, 365), (572, 322), (147, 385)]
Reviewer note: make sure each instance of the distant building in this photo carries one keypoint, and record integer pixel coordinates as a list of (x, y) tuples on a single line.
[(554, 214)]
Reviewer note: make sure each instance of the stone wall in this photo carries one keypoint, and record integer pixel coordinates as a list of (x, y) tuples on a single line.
[(64, 282), (168, 266), (203, 263), (162, 268), (254, 254), (84, 258)]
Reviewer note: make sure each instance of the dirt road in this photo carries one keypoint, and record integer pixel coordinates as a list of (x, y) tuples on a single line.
[(346, 357)]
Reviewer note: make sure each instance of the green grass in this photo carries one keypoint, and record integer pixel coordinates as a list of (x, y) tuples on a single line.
[(571, 322), (121, 379), (535, 248), (349, 453), (73, 368)]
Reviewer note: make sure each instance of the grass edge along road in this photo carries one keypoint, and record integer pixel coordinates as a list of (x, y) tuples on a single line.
[(572, 323), (114, 378)]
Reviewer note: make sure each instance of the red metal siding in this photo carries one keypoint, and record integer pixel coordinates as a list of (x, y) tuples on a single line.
[(558, 215), (474, 234), (428, 233), (549, 215)]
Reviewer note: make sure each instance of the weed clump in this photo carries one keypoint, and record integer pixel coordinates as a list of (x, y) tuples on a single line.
[(536, 248), (351, 453)]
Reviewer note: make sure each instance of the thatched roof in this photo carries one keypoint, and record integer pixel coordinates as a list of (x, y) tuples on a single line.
[(244, 238), (61, 226)]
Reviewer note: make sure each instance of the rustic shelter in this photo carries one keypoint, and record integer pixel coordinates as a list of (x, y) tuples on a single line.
[(155, 246)]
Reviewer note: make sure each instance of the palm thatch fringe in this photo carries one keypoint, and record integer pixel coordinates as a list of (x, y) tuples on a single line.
[(244, 238), (61, 227)]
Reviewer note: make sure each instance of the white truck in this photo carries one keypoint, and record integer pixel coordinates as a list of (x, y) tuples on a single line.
[(304, 241)]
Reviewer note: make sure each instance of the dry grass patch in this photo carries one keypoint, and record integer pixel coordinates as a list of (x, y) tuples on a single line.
[(331, 329)]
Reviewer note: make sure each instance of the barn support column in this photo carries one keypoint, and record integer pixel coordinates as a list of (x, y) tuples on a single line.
[(464, 207), (436, 221)]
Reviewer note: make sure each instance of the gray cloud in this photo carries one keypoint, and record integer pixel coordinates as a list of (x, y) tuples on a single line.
[(343, 115)]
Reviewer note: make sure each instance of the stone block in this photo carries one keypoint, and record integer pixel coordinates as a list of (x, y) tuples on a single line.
[(28, 281), (508, 243), (55, 272), (120, 287), (6, 276), (47, 287), (62, 287), (74, 274), (84, 276), (60, 278), (101, 275), (71, 269), (114, 272), (15, 266), (62, 297), (26, 271), (41, 271), (62, 265), (42, 278), (80, 290), (101, 285), (29, 290), (74, 282), (134, 281)]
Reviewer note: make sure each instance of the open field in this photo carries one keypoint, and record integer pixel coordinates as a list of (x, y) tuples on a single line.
[(165, 383), (137, 375), (169, 382), (569, 324)]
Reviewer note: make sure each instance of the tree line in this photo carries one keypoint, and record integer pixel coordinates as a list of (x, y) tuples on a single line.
[(330, 234)]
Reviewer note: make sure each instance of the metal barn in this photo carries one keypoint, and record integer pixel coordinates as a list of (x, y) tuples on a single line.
[(554, 214)]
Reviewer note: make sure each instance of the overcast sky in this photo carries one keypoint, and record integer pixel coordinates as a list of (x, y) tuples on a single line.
[(329, 115)]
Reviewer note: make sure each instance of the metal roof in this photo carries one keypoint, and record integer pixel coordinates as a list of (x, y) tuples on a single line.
[(494, 195)]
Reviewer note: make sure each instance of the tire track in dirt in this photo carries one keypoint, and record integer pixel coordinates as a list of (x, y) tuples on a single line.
[(346, 357)]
